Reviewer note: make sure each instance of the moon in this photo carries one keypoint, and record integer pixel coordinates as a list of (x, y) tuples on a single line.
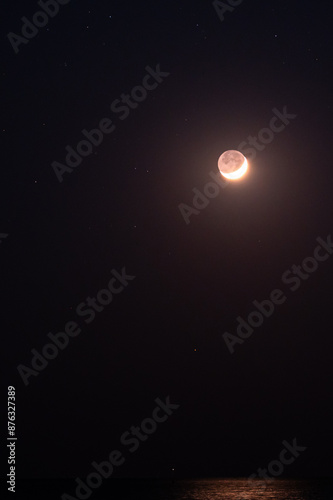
[(232, 164)]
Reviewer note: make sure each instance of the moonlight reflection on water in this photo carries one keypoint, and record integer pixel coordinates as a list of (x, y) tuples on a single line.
[(242, 489)]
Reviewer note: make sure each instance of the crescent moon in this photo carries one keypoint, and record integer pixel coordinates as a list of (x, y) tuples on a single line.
[(232, 164)]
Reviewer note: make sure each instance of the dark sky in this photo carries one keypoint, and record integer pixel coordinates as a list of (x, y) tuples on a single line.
[(119, 208)]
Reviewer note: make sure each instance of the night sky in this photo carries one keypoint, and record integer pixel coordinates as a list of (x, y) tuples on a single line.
[(214, 81)]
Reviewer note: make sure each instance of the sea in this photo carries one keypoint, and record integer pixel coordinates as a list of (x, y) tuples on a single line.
[(185, 489)]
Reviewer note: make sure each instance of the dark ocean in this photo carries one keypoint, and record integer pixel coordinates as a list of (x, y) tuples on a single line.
[(190, 489)]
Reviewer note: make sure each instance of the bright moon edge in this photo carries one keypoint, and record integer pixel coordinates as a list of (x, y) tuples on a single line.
[(238, 174)]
